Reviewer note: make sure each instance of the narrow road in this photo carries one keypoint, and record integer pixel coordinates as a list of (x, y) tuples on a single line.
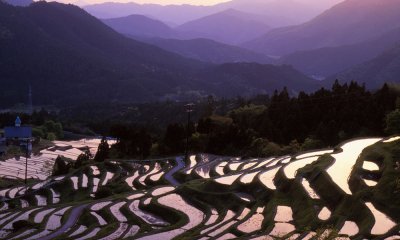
[(169, 175), (73, 217)]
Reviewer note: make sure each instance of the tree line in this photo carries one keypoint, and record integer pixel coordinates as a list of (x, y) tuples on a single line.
[(264, 126)]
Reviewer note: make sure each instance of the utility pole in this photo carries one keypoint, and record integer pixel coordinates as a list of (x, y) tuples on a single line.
[(30, 103), (189, 108), (26, 161)]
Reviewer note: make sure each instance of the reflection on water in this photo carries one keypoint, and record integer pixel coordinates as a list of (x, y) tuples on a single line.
[(393, 139), (382, 222), (371, 166), (248, 178), (350, 228), (370, 183), (291, 169), (283, 214), (325, 214), (309, 189), (108, 177), (245, 197), (176, 202), (115, 210), (234, 166), (229, 215), (220, 168), (162, 190), (254, 223), (74, 180), (282, 229), (227, 180), (267, 178), (341, 169), (249, 165), (95, 170), (145, 216), (312, 154)]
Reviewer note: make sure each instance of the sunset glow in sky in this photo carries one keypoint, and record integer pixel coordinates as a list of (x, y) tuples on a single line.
[(168, 2), (162, 2)]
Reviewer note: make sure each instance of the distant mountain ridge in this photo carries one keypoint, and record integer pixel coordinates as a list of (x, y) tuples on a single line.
[(347, 23), (276, 12), (374, 73), (327, 61), (230, 26), (21, 3), (139, 25)]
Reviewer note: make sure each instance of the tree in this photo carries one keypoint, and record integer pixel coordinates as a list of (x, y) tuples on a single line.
[(61, 166), (83, 159), (102, 151), (393, 122), (310, 144), (174, 139)]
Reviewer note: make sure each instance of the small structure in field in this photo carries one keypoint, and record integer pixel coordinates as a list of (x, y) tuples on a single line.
[(18, 135)]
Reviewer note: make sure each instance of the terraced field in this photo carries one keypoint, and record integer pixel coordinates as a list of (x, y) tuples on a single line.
[(350, 192), (40, 165)]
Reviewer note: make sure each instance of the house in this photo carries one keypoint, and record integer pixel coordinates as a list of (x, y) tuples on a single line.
[(2, 144), (19, 135)]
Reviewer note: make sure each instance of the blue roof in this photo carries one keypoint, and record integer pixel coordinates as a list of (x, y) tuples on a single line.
[(18, 132), (18, 121)]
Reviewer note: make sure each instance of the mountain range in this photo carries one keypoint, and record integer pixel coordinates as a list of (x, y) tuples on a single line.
[(21, 3), (381, 69), (69, 56), (139, 25), (276, 12), (349, 22), (327, 61), (230, 26)]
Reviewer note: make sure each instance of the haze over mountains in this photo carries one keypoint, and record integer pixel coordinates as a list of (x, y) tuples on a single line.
[(22, 3), (277, 12), (230, 26), (350, 22), (330, 60), (385, 68), (139, 25)]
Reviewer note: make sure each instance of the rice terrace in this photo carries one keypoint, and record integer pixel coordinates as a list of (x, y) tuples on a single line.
[(306, 196)]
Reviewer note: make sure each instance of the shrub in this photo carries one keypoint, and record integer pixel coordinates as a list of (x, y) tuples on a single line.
[(21, 224), (104, 192)]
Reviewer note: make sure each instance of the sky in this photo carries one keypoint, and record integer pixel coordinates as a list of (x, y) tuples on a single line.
[(167, 2), (162, 2)]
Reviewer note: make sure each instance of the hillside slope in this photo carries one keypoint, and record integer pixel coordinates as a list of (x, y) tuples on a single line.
[(374, 73), (209, 51), (230, 26), (139, 25), (331, 60)]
